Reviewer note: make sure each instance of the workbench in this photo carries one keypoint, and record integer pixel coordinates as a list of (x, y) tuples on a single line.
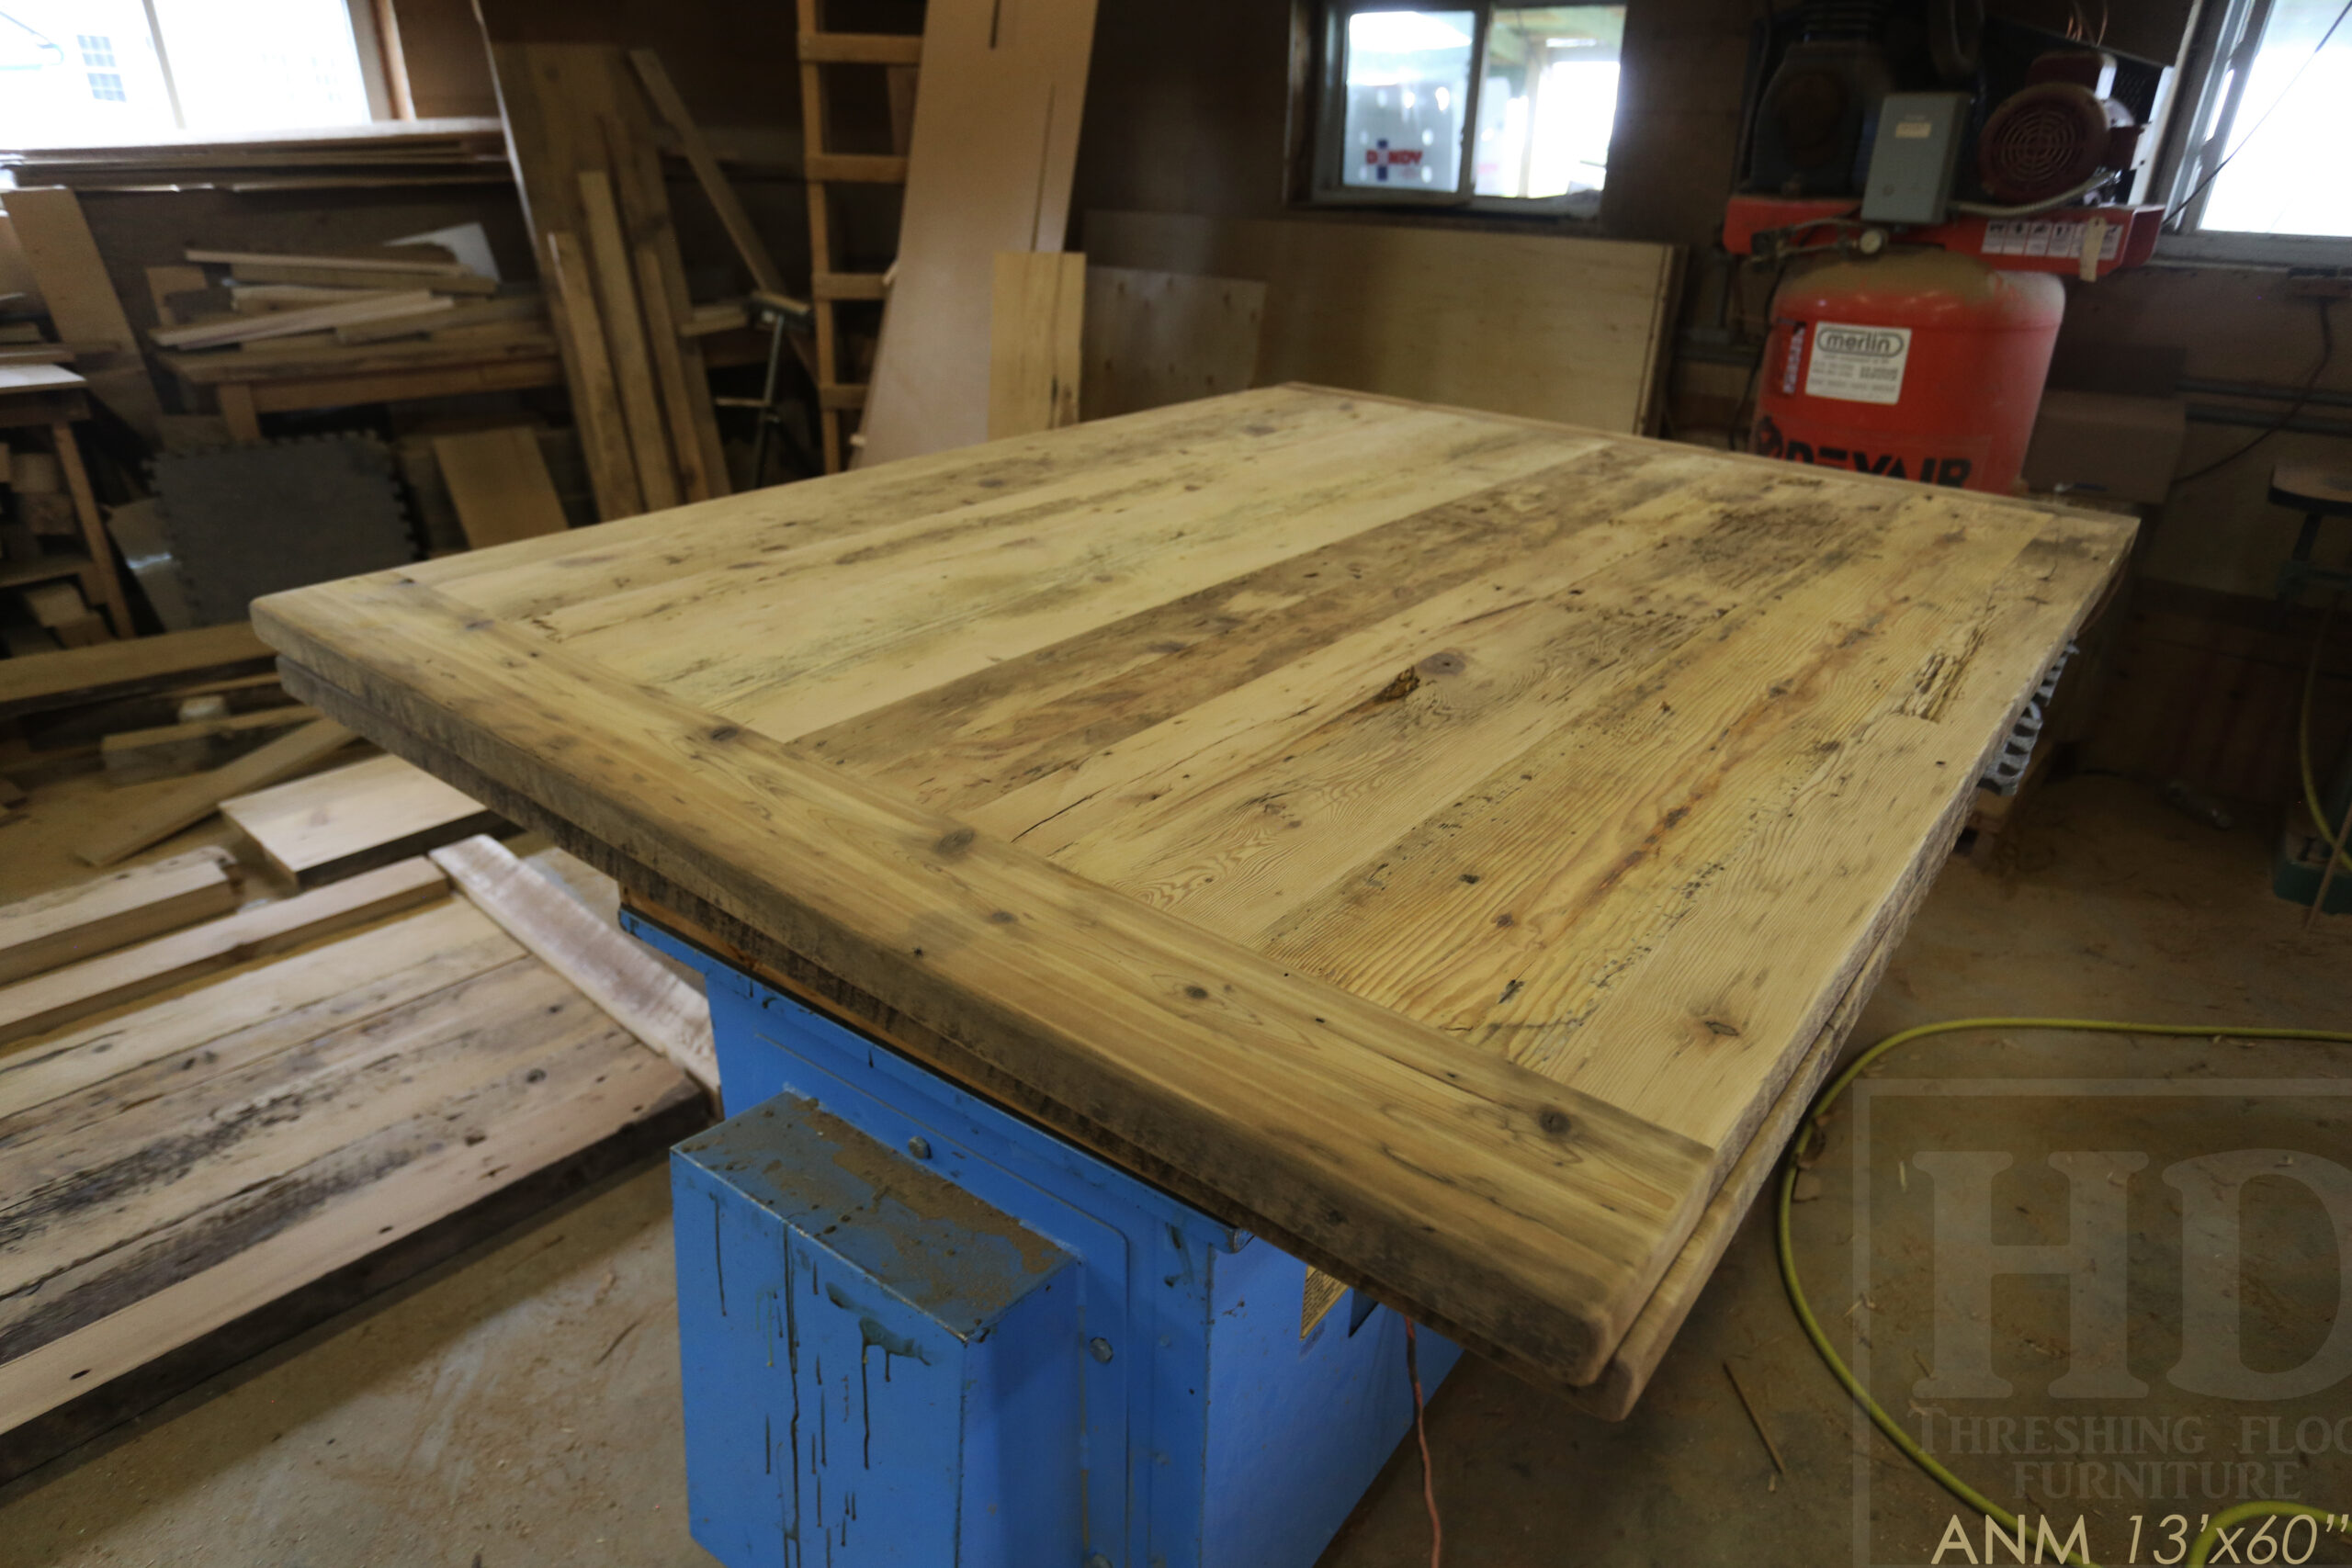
[(1440, 850)]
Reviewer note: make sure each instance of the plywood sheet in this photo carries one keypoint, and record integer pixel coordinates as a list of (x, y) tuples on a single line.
[(995, 143), (1549, 327), (1434, 840), (1156, 338)]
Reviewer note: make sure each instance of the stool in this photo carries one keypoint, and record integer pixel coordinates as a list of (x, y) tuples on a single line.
[(2317, 489)]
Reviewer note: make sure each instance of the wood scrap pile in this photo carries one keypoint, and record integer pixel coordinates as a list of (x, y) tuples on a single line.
[(581, 126), (219, 1125), (153, 708), (410, 152), (341, 312)]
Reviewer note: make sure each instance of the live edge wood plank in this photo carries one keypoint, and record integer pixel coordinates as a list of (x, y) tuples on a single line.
[(1436, 841)]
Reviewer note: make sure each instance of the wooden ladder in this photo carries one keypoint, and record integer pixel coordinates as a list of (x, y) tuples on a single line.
[(829, 288)]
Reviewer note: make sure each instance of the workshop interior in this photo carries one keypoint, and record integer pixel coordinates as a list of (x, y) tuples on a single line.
[(1099, 783)]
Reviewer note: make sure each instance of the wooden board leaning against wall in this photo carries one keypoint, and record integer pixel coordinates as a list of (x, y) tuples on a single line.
[(586, 162), (1367, 819), (1546, 327)]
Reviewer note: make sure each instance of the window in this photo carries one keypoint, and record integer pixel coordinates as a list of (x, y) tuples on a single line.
[(2256, 174), (100, 70), (105, 85), (1498, 106)]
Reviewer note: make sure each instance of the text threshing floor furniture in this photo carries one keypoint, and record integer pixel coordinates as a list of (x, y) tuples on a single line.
[(1441, 843)]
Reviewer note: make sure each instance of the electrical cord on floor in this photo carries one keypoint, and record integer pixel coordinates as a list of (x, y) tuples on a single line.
[(1810, 1131), (1421, 1431)]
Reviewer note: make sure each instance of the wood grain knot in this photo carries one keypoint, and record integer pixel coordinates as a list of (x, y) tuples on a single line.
[(955, 842), (1554, 1121), (1002, 918), (1442, 664), (726, 732)]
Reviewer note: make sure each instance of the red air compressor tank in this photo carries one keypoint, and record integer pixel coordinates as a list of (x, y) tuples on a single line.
[(1920, 364)]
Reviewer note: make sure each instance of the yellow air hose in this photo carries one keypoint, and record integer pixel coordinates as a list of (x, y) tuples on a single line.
[(1810, 1130)]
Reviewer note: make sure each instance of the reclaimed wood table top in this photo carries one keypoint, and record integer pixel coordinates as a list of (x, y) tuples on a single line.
[(1430, 838)]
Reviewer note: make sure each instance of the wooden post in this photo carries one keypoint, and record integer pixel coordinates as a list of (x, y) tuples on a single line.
[(102, 575)]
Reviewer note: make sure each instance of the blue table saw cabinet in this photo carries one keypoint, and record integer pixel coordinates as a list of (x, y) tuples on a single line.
[(919, 1330)]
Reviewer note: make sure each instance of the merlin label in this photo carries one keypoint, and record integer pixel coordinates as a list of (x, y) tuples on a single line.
[(1857, 365)]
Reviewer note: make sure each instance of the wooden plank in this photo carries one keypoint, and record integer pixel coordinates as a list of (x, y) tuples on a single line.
[(329, 360), (749, 247), (499, 481), (657, 470), (530, 308), (1297, 795), (184, 806), (173, 750), (1035, 319), (73, 923), (862, 49), (335, 824), (353, 278), (1570, 330), (850, 285), (995, 143), (55, 604), (103, 581), (856, 168), (384, 1125), (683, 391), (415, 303), (128, 669), (163, 282), (60, 997), (1156, 338), (611, 969), (82, 304), (596, 398), (433, 259)]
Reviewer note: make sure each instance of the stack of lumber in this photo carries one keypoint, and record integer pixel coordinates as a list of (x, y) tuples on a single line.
[(413, 153), (149, 708), (226, 1132), (579, 125), (340, 312)]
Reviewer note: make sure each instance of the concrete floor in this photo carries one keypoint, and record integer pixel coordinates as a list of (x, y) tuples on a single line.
[(519, 1405)]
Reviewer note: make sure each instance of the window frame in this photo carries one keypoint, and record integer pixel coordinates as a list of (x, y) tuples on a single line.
[(1325, 186), (2213, 71)]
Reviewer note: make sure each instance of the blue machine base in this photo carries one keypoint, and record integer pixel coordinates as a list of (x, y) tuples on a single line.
[(918, 1330)]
